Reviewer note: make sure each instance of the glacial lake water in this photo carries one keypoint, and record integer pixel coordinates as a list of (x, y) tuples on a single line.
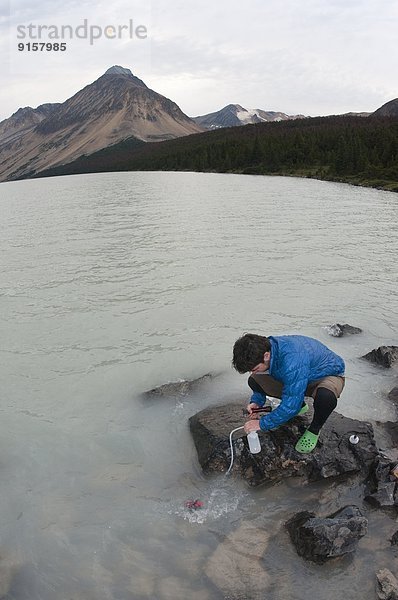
[(113, 284)]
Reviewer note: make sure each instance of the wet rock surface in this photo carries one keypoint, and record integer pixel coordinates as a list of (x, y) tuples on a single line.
[(338, 330), (385, 356), (391, 429), (319, 539), (393, 396), (387, 585), (394, 539), (278, 459), (382, 488), (178, 388)]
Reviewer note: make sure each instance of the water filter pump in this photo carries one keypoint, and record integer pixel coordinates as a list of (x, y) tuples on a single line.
[(252, 439)]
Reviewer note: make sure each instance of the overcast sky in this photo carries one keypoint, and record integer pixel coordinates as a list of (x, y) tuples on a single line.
[(314, 57)]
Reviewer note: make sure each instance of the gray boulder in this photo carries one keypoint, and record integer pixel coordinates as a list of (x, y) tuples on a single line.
[(382, 486), (319, 539), (278, 459), (178, 388), (338, 330), (384, 356), (387, 585)]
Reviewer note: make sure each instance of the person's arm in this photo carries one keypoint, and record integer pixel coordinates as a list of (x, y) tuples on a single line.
[(294, 385), (257, 399)]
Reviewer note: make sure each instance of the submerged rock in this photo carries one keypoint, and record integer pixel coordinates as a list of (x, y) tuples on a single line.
[(178, 388), (394, 539), (236, 568), (387, 585), (278, 459), (384, 355), (318, 539), (338, 330), (9, 568)]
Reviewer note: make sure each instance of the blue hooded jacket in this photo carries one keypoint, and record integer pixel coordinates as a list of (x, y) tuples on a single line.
[(295, 361)]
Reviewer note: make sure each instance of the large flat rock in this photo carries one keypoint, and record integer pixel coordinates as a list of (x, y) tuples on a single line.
[(334, 455)]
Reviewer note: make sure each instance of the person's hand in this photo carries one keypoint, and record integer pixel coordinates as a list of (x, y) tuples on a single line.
[(252, 425), (251, 406)]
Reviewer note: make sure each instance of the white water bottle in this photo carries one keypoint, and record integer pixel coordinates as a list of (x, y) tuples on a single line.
[(254, 442)]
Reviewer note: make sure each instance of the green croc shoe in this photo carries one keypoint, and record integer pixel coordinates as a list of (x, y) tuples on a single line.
[(307, 442), (304, 409)]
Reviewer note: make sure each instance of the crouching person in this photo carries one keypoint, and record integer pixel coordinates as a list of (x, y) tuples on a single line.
[(290, 367)]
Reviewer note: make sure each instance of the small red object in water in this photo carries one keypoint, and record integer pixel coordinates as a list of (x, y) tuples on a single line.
[(193, 504)]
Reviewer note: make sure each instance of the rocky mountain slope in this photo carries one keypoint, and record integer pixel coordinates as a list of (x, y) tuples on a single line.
[(116, 106), (390, 109), (23, 120), (234, 115)]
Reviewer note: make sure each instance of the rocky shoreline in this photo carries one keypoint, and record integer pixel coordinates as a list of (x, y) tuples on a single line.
[(338, 504), (347, 453), (335, 455)]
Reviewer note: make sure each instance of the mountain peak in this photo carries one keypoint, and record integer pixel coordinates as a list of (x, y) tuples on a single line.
[(115, 107), (127, 76), (117, 70), (234, 106)]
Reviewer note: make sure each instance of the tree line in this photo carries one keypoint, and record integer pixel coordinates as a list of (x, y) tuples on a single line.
[(362, 150)]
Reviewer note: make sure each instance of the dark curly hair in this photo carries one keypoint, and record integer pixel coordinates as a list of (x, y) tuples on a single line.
[(249, 351)]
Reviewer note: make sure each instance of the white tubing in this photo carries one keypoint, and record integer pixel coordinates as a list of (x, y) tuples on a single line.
[(232, 449)]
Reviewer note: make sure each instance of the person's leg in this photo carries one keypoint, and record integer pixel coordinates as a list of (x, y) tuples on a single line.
[(268, 386), (325, 396), (325, 402)]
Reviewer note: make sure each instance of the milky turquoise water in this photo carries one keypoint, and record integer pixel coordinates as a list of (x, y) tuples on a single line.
[(113, 284)]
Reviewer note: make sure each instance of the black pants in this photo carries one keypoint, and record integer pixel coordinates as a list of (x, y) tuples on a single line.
[(325, 401)]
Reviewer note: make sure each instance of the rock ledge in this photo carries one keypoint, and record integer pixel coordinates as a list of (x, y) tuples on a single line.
[(334, 455)]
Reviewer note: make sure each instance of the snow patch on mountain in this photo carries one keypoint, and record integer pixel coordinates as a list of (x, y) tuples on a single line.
[(247, 114)]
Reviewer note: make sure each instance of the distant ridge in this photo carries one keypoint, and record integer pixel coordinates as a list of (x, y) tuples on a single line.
[(234, 115), (390, 109)]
